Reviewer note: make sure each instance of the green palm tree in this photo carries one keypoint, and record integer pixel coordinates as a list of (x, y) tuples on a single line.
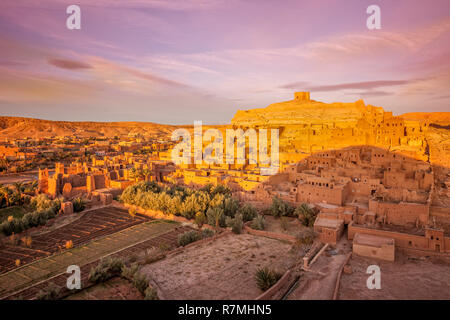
[(306, 215)]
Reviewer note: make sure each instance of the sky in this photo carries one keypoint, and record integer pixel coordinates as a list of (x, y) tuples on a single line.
[(177, 61)]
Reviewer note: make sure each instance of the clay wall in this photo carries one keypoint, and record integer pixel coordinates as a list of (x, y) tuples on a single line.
[(402, 240), (400, 213)]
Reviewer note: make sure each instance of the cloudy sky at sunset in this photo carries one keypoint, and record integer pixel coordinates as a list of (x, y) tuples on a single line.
[(176, 61)]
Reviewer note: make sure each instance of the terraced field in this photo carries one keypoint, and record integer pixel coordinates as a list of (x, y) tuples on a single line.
[(93, 224), (27, 281)]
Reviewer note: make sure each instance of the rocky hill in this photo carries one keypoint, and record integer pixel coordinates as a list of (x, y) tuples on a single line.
[(307, 126), (17, 127)]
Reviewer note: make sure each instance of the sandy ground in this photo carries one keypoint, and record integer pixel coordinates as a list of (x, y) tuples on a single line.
[(223, 269), (114, 289), (406, 278)]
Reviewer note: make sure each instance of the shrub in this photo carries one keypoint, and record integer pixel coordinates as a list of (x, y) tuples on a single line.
[(78, 204), (188, 237), (41, 202), (153, 254), (200, 219), (106, 269), (258, 223), (216, 217), (265, 278), (306, 215), (248, 212), (280, 208), (29, 220), (128, 272), (51, 293), (306, 237), (140, 282), (235, 223), (151, 294), (206, 233)]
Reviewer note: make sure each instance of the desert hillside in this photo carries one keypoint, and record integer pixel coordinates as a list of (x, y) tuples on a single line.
[(440, 118), (17, 127)]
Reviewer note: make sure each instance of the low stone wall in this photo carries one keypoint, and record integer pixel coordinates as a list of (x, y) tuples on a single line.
[(338, 279), (311, 253), (273, 290), (267, 234)]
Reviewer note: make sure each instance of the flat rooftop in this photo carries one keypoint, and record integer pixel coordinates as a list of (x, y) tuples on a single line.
[(328, 223), (371, 240)]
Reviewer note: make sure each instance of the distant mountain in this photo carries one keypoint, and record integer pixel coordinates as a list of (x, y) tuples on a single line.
[(438, 118), (18, 127)]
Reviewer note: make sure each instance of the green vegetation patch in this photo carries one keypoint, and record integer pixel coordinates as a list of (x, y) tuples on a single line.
[(16, 212)]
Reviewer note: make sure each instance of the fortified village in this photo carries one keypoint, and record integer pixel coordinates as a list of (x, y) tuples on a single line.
[(358, 165), (355, 186)]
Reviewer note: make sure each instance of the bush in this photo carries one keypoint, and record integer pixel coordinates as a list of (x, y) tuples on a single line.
[(129, 272), (281, 208), (235, 223), (200, 219), (140, 282), (151, 294), (106, 269), (215, 217), (188, 237), (51, 293), (265, 278), (248, 212), (78, 204), (306, 237), (258, 223), (306, 215), (29, 220), (207, 233), (42, 202)]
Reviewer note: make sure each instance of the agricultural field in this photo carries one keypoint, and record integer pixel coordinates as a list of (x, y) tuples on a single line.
[(91, 225), (222, 269), (124, 244)]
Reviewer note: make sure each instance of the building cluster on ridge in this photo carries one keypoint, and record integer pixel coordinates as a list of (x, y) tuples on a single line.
[(360, 167)]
